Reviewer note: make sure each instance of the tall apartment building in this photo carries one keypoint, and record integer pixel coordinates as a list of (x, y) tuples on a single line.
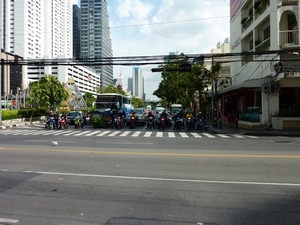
[(266, 74), (76, 32), (39, 30), (95, 37), (137, 83)]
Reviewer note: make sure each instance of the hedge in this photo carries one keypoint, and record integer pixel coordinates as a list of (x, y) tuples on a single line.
[(21, 114)]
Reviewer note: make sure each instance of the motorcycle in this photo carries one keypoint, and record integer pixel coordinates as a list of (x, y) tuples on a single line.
[(150, 122), (79, 123), (63, 123), (163, 122), (52, 122), (189, 123), (132, 122), (118, 122), (178, 124)]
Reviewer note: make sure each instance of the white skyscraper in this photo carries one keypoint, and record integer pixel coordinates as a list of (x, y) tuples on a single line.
[(138, 83), (42, 29)]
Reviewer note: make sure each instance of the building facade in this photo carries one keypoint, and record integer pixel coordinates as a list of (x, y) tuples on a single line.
[(40, 30), (265, 73), (76, 32), (95, 38), (137, 83)]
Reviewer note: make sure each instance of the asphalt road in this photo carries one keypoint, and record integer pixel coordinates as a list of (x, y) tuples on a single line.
[(149, 178)]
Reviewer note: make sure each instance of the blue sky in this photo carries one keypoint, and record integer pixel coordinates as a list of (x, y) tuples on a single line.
[(157, 27)]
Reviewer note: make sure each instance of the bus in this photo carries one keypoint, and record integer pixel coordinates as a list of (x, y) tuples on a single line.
[(112, 102), (175, 108)]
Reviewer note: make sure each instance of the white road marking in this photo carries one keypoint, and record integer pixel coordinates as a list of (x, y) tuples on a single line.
[(208, 135), (114, 133), (249, 136), (159, 134), (159, 178), (74, 132), (196, 135), (103, 133), (171, 134), (147, 134), (125, 133), (136, 134), (223, 136), (238, 136), (184, 135), (82, 133), (7, 221), (62, 132), (92, 133)]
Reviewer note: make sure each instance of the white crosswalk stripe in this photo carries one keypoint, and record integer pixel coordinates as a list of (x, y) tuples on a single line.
[(208, 135), (125, 133), (147, 134), (171, 134), (120, 133), (159, 134), (223, 136), (184, 135), (196, 135)]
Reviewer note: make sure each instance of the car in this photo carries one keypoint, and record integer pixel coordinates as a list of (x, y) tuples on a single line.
[(141, 116), (72, 116)]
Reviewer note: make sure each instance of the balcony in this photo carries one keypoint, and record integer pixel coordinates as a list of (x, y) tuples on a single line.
[(288, 38), (289, 2), (262, 46), (246, 22)]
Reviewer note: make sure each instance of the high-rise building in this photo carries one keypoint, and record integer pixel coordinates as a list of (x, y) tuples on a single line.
[(38, 30), (95, 37), (76, 32), (137, 83)]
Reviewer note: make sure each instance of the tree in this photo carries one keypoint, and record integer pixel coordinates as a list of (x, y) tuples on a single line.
[(47, 92), (111, 89), (89, 99), (180, 87), (137, 102)]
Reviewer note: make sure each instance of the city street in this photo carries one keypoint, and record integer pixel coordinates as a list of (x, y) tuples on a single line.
[(139, 176)]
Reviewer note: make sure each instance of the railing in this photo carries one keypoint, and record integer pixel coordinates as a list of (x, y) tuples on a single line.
[(247, 23), (263, 46), (288, 38), (289, 2)]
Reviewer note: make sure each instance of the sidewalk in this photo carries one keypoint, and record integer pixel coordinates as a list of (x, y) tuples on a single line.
[(18, 122), (231, 129)]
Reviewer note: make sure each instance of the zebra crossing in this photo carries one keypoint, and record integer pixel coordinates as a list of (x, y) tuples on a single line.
[(120, 133)]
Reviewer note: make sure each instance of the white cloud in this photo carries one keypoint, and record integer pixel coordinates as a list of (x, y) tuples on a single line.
[(187, 26)]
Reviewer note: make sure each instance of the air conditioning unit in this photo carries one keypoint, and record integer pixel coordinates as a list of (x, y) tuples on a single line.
[(266, 88)]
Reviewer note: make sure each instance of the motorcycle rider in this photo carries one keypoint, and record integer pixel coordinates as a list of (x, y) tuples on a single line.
[(150, 114), (189, 115), (200, 120), (164, 114), (177, 119)]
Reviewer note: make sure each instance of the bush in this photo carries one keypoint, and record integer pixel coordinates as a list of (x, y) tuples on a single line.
[(21, 114), (288, 113)]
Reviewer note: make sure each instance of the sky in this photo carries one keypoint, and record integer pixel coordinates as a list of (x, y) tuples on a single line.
[(158, 27)]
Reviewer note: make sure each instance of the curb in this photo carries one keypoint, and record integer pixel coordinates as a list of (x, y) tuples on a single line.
[(19, 124)]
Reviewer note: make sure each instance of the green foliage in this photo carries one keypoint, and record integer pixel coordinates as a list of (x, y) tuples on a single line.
[(48, 91), (21, 114), (138, 103), (89, 99), (177, 87), (288, 113), (111, 89)]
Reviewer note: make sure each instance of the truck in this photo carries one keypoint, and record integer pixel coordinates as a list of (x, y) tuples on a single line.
[(175, 108)]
